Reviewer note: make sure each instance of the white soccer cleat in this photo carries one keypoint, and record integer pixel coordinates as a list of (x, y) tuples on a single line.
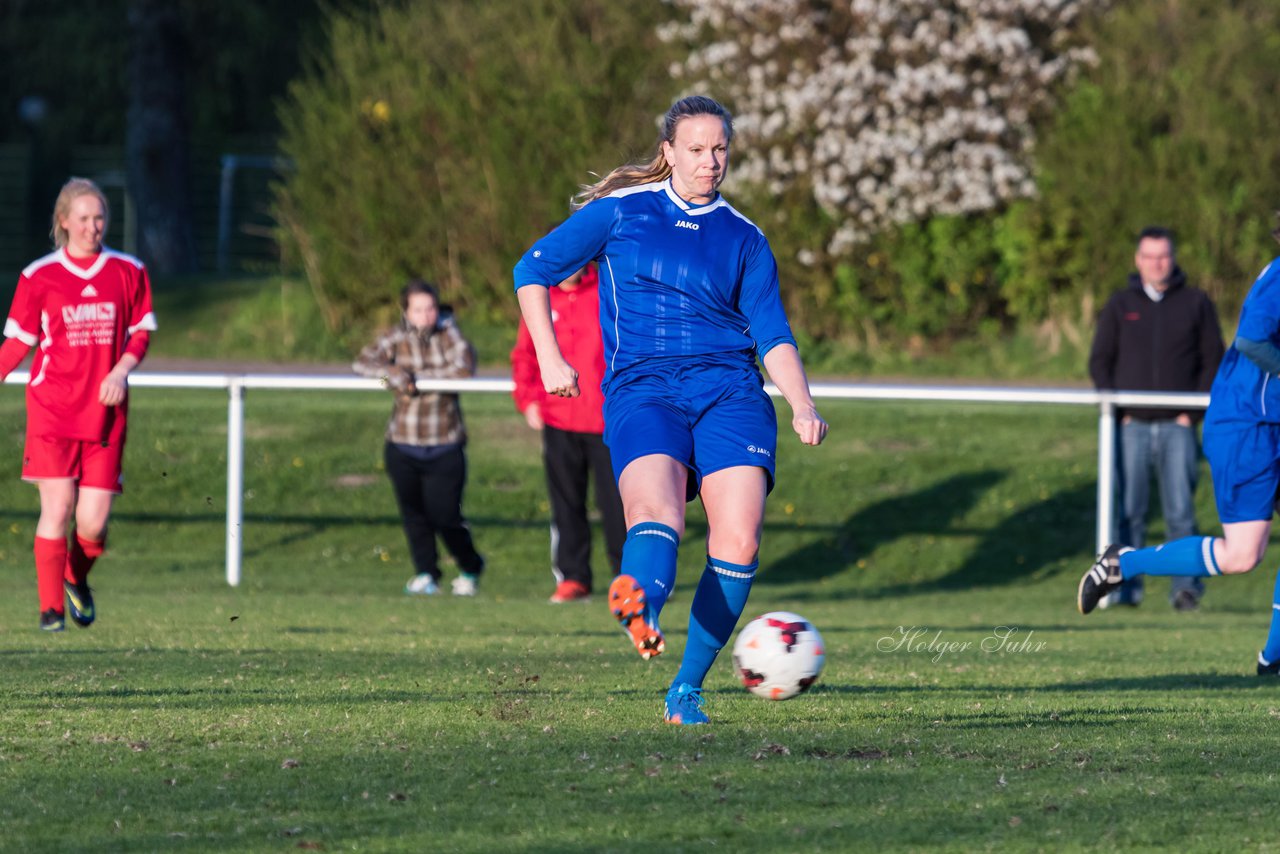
[(422, 585), (465, 584)]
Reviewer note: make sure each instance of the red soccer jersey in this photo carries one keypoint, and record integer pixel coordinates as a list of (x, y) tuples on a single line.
[(81, 319), (575, 316)]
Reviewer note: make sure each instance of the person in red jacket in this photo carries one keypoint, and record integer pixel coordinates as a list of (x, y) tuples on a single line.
[(88, 309), (572, 436)]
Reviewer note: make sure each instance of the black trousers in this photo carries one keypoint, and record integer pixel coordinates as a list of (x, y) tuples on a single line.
[(429, 494), (568, 458)]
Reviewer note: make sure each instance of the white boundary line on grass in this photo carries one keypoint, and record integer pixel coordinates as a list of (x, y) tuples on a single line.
[(237, 384)]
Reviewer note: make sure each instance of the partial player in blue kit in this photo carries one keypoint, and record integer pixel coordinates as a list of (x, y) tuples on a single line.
[(1242, 444), (689, 300)]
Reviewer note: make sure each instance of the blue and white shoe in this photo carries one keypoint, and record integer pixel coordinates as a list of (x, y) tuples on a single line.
[(422, 585), (684, 705)]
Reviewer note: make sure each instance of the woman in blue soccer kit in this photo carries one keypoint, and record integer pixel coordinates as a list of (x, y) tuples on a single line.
[(1242, 444), (688, 300)]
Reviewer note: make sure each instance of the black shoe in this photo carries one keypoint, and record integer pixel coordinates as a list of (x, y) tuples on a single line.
[(1272, 669), (80, 598), (1103, 577), (1186, 600), (52, 621)]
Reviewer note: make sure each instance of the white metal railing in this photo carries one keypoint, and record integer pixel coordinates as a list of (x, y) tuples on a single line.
[(236, 384)]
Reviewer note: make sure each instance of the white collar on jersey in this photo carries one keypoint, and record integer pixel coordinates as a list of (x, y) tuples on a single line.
[(716, 202), (74, 268)]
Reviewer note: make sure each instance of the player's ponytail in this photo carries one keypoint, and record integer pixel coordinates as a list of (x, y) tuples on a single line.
[(634, 174)]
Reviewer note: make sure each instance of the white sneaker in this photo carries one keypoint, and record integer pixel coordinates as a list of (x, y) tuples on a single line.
[(422, 585), (465, 584)]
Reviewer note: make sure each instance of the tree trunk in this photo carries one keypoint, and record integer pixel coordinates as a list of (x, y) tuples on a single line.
[(156, 139)]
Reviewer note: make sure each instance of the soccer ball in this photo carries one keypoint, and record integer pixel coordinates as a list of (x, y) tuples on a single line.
[(778, 655)]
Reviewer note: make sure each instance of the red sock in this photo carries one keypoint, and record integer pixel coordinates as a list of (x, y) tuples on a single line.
[(81, 557), (51, 562)]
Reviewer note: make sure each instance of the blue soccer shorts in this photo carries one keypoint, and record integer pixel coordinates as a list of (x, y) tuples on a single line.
[(1246, 470), (708, 417)]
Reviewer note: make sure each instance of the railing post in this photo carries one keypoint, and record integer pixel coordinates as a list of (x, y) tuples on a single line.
[(226, 191), (1106, 470), (235, 477)]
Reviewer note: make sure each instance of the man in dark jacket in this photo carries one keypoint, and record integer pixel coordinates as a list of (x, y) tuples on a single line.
[(1157, 334)]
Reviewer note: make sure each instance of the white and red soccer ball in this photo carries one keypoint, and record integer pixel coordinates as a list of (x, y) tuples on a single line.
[(778, 655)]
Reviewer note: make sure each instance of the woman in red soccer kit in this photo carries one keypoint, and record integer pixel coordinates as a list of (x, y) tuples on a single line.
[(87, 311)]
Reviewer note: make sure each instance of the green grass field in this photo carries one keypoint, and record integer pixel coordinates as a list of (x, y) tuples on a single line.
[(318, 708)]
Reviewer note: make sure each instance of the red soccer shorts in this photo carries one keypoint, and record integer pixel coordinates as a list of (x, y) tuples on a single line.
[(95, 465)]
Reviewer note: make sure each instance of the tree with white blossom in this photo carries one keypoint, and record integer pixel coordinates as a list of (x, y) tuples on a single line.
[(886, 111)]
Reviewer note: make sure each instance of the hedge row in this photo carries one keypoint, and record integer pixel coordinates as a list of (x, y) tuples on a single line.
[(440, 138)]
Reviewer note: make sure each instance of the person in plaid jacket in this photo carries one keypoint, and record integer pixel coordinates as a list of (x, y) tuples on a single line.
[(426, 435)]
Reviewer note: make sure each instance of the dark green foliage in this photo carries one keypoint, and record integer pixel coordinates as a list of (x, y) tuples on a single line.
[(936, 279), (1176, 125), (235, 55), (239, 54), (273, 320), (440, 139)]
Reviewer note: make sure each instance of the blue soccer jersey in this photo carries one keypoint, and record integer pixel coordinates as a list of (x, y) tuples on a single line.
[(676, 279), (1242, 392)]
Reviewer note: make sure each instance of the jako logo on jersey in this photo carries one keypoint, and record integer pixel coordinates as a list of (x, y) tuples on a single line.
[(88, 311), (684, 223), (752, 449)]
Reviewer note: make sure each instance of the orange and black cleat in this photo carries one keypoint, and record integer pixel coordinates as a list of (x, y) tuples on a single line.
[(628, 604)]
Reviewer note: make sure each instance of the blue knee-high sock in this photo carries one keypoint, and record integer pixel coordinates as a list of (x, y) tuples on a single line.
[(649, 556), (1271, 652), (1191, 557), (717, 605)]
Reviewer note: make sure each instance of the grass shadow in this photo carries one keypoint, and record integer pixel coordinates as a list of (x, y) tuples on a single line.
[(1021, 545), (927, 511), (1172, 683)]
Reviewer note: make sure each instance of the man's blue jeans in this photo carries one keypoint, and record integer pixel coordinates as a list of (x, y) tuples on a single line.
[(1173, 453)]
